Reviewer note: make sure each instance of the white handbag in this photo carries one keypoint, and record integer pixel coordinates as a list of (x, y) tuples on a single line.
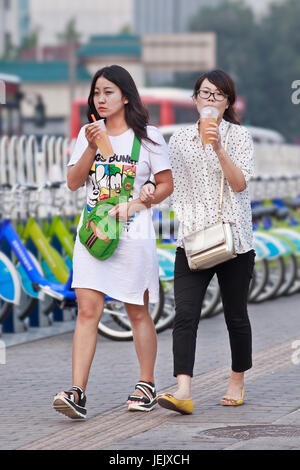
[(213, 245)]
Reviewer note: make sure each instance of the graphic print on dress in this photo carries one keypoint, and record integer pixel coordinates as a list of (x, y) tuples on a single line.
[(105, 180)]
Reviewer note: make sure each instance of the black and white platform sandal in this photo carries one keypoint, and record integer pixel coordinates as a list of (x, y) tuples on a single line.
[(148, 401), (68, 407)]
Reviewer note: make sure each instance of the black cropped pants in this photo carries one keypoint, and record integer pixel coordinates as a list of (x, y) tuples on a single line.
[(190, 288)]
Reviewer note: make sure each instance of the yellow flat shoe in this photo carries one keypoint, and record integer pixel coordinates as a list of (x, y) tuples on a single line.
[(166, 400), (233, 401)]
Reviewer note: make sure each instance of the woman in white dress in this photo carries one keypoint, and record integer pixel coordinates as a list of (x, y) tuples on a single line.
[(130, 274)]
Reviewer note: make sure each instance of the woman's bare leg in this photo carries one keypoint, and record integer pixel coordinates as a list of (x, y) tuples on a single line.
[(145, 340), (90, 308)]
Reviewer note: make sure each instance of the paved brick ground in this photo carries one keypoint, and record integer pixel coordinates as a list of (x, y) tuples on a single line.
[(270, 419)]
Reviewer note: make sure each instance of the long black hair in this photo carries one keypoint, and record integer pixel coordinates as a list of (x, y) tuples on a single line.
[(225, 84), (136, 115)]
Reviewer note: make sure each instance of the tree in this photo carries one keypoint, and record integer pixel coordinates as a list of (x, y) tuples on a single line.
[(262, 58), (126, 29), (31, 40), (280, 35), (70, 33), (237, 43)]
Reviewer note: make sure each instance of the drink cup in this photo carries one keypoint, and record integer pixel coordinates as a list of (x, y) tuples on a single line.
[(208, 115), (103, 142)]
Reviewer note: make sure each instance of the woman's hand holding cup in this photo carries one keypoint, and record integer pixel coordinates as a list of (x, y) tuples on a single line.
[(212, 132), (209, 125), (92, 133)]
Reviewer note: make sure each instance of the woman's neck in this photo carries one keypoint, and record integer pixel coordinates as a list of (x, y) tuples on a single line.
[(116, 125)]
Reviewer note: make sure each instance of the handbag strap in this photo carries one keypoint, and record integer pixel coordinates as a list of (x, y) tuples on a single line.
[(129, 179), (223, 178), (136, 148)]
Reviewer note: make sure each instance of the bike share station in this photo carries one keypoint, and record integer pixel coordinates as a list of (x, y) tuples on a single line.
[(39, 216), (33, 190)]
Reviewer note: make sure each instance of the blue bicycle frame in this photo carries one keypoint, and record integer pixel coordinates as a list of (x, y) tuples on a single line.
[(39, 282)]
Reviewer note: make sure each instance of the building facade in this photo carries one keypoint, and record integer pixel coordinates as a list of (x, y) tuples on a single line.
[(165, 16), (173, 16), (14, 23), (50, 17)]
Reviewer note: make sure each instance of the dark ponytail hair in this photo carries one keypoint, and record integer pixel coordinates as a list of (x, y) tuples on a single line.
[(225, 84), (136, 115)]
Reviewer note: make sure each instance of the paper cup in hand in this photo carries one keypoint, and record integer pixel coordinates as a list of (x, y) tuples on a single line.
[(103, 143), (208, 115)]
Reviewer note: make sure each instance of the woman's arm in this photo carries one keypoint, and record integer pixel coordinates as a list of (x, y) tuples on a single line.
[(164, 187), (78, 173), (234, 175), (160, 167)]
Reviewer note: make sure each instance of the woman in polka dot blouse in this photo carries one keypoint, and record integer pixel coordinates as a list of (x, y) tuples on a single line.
[(197, 174)]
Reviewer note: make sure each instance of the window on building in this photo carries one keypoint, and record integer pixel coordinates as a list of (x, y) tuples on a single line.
[(154, 113), (185, 114), (7, 41)]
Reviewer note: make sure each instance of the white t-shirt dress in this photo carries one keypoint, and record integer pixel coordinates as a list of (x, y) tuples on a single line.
[(133, 267)]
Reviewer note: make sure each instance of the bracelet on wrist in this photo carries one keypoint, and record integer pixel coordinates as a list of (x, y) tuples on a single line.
[(150, 182)]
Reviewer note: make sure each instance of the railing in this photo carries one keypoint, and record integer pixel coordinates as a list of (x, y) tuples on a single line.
[(24, 160)]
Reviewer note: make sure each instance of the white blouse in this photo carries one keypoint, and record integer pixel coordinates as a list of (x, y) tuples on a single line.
[(197, 178)]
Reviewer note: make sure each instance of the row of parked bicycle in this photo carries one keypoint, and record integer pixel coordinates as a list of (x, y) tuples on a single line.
[(37, 239)]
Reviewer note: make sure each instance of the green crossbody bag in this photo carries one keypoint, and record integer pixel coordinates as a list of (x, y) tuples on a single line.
[(99, 232)]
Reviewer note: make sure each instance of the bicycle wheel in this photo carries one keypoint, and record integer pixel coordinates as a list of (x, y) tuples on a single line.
[(212, 299), (295, 287), (290, 274), (292, 236), (27, 307), (5, 310), (217, 309), (115, 324), (276, 270), (167, 315), (259, 279), (29, 303), (257, 283), (210, 302), (166, 258), (10, 288)]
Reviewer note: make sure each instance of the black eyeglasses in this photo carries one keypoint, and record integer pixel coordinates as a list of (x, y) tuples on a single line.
[(217, 95)]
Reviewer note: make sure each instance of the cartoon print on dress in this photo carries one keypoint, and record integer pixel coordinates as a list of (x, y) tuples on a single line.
[(106, 181), (97, 179), (115, 180)]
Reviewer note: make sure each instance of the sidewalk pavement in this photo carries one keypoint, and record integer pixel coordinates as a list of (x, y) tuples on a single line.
[(269, 420)]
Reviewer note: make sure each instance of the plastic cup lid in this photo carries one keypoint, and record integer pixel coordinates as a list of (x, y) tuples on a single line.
[(209, 111), (102, 124)]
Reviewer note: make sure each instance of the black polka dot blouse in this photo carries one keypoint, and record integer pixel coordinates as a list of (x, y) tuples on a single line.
[(197, 178)]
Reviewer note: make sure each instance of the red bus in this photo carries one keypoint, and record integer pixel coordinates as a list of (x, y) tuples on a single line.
[(165, 105), (10, 112)]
